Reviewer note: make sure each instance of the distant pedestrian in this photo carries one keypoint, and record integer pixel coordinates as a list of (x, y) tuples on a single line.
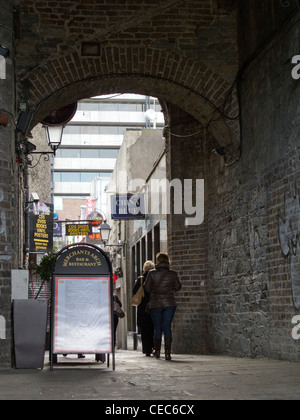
[(162, 284), (118, 313), (144, 320)]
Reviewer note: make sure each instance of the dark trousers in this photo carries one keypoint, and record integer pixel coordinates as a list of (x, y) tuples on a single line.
[(162, 320), (147, 332), (116, 322)]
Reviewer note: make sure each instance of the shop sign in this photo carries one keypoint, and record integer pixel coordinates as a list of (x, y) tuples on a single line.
[(90, 206), (57, 229), (128, 207), (78, 230), (41, 233)]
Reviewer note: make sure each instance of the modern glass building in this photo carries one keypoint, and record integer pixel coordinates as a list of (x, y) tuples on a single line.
[(92, 140)]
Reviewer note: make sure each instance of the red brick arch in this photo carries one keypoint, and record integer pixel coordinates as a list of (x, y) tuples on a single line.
[(176, 79)]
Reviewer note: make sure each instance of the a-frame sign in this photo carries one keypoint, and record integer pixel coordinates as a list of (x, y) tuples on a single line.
[(82, 303)]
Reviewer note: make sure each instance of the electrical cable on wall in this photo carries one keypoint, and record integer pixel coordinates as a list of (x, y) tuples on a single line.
[(219, 110)]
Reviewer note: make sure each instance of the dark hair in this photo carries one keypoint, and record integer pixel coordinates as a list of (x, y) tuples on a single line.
[(162, 258)]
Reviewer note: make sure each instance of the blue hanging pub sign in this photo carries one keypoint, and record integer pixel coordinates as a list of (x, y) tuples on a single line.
[(128, 207)]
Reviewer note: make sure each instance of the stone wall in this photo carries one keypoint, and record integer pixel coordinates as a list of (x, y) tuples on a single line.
[(253, 290), (241, 269), (40, 169), (9, 199)]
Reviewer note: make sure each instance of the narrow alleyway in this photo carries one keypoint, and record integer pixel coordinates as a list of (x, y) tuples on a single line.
[(186, 378)]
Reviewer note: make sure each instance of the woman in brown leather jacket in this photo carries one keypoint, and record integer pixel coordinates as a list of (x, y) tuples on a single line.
[(162, 284)]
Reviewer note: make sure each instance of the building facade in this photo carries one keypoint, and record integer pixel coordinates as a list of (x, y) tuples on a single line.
[(140, 161), (93, 138), (86, 159)]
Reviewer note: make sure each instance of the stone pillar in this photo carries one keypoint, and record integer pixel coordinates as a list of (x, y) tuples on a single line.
[(8, 177), (187, 243)]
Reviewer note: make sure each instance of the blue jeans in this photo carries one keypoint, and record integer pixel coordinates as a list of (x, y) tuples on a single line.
[(162, 319)]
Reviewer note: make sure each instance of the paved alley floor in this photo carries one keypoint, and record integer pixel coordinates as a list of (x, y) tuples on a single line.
[(136, 377)]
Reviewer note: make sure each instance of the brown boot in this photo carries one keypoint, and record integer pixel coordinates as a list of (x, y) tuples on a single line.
[(168, 345), (157, 347)]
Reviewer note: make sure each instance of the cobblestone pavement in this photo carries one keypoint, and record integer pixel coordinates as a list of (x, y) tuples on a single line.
[(136, 377)]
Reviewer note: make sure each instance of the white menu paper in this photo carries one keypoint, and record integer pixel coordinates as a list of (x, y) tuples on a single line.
[(82, 315)]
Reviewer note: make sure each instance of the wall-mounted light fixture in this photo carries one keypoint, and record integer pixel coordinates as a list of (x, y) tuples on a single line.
[(54, 136), (54, 124), (24, 121), (105, 230), (54, 139)]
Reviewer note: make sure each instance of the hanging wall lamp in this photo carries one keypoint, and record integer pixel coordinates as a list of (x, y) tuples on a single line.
[(54, 124)]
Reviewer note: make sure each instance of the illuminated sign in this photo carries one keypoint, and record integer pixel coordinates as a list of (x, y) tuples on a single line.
[(78, 230)]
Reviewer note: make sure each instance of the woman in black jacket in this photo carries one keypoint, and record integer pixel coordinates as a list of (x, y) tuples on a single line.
[(144, 320)]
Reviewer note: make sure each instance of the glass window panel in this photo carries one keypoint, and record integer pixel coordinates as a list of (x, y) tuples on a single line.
[(88, 176), (109, 130), (89, 106), (79, 176), (108, 106), (105, 174), (90, 153), (90, 129), (57, 176), (70, 177), (109, 153), (72, 129), (69, 153)]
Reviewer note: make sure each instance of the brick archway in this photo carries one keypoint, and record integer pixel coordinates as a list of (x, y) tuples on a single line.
[(189, 89), (175, 79)]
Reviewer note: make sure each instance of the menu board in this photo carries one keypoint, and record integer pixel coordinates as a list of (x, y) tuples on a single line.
[(82, 322)]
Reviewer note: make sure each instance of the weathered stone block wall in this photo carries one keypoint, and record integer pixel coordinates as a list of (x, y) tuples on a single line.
[(40, 170), (8, 181), (253, 288), (247, 253)]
